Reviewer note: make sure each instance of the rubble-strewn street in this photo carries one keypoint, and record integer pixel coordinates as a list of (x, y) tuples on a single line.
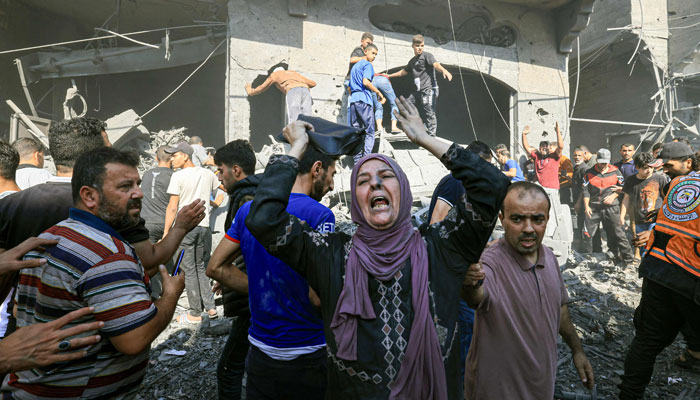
[(602, 302)]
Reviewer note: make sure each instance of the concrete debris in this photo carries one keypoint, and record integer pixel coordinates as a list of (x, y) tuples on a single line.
[(602, 300), (124, 128)]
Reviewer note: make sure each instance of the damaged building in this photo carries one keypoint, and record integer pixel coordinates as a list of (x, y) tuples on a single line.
[(639, 79), (509, 61)]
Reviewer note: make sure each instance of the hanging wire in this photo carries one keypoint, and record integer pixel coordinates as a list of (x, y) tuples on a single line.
[(459, 67), (105, 37), (186, 79)]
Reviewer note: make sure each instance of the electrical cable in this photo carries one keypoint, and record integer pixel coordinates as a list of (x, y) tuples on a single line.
[(105, 37), (578, 76), (186, 79), (459, 67)]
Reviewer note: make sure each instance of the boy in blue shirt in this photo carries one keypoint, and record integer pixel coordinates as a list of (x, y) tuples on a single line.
[(361, 103)]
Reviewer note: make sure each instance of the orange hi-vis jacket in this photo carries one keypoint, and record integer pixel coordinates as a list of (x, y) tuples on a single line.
[(676, 235)]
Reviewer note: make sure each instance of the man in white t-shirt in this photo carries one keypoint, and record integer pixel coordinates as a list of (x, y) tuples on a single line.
[(31, 163), (187, 184)]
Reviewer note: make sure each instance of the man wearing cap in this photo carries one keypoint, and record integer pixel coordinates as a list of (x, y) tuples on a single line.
[(601, 187), (294, 85), (671, 271), (186, 185)]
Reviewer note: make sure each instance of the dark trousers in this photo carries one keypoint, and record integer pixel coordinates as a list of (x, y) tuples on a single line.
[(155, 233), (302, 378), (197, 246), (362, 116), (426, 102), (229, 372), (617, 240), (657, 320)]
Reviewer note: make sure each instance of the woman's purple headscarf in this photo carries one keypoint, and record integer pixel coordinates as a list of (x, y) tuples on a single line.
[(381, 254)]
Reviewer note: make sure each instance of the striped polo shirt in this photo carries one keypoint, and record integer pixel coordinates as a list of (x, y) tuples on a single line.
[(92, 265)]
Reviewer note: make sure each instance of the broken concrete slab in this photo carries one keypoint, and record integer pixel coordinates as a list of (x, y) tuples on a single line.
[(125, 127)]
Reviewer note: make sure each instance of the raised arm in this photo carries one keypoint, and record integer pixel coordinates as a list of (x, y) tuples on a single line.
[(523, 140), (282, 234), (485, 186), (560, 140)]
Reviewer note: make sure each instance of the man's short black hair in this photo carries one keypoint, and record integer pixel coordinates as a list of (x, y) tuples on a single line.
[(367, 35), (370, 47), (683, 140), (312, 155), (626, 145), (27, 146), (9, 161), (544, 143), (656, 146), (238, 152), (282, 64), (69, 139), (641, 160), (526, 187), (91, 167), (480, 148)]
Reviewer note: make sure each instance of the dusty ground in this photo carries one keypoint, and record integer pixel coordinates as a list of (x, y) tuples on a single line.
[(603, 297)]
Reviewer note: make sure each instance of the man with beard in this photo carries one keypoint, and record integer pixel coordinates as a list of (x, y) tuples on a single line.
[(33, 210), (520, 307), (93, 266), (670, 299), (287, 358), (236, 167)]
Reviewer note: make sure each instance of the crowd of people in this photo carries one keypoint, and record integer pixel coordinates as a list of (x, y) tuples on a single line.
[(94, 258)]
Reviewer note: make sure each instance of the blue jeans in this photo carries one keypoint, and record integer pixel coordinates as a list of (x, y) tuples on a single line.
[(643, 227), (466, 329), (384, 85)]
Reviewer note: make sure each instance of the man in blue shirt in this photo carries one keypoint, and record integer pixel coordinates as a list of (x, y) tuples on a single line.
[(626, 164), (361, 103), (287, 357), (510, 167)]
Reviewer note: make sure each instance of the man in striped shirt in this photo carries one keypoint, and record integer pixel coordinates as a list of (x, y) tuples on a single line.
[(92, 265)]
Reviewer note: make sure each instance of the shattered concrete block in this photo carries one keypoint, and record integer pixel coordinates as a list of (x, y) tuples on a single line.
[(124, 127)]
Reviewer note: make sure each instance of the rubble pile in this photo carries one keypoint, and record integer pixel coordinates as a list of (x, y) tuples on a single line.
[(125, 131), (602, 300)]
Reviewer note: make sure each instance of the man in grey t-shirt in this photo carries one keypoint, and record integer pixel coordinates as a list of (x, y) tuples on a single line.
[(422, 68)]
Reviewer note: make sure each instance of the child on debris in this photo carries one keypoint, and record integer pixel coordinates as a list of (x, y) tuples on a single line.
[(361, 104)]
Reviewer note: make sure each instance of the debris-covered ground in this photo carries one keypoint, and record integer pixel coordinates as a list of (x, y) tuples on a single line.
[(602, 299), (602, 302)]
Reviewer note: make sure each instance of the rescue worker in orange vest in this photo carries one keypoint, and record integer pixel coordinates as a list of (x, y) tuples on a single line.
[(671, 272)]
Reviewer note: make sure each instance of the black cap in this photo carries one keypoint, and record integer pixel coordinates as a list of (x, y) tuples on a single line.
[(183, 147), (675, 150)]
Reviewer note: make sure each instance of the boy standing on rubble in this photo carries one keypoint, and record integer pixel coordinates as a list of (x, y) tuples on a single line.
[(361, 103)]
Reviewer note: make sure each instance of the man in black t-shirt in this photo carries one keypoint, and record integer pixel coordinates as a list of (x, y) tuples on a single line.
[(422, 68), (643, 194)]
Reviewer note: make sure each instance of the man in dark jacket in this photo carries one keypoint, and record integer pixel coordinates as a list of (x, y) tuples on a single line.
[(236, 165)]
